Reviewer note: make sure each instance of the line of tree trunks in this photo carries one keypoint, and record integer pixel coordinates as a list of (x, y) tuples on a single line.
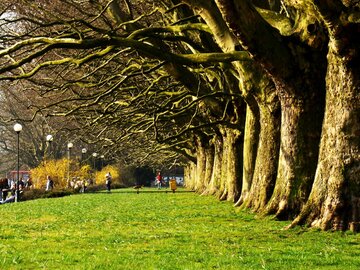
[(301, 156)]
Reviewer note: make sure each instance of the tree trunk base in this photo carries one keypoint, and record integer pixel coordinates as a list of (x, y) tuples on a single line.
[(224, 195)]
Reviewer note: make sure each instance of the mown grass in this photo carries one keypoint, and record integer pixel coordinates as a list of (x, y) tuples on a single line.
[(158, 230)]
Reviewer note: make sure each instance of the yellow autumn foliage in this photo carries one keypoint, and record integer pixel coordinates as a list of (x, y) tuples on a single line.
[(59, 172), (100, 175)]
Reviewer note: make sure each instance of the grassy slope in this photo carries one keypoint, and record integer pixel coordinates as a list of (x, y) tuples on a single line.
[(153, 230)]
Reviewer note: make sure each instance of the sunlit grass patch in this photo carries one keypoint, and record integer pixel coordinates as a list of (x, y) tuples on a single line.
[(159, 230)]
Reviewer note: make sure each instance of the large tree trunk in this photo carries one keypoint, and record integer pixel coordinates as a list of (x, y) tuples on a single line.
[(209, 166), (263, 100), (251, 137), (334, 202), (232, 164), (300, 135), (267, 157), (200, 164), (215, 180), (190, 175)]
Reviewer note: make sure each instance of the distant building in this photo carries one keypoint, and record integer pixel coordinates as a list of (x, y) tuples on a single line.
[(25, 175)]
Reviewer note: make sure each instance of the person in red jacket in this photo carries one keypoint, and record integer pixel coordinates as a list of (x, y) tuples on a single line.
[(159, 180)]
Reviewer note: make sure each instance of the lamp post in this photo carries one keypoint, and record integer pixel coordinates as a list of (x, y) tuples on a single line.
[(94, 156), (83, 152), (49, 139), (69, 146), (17, 129), (102, 161)]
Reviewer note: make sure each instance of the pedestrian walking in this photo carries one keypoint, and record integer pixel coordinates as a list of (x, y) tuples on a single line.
[(49, 183), (108, 180), (159, 180)]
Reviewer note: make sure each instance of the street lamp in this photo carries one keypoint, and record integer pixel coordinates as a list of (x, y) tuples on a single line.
[(69, 146), (83, 152), (102, 161), (17, 129), (49, 139), (94, 156)]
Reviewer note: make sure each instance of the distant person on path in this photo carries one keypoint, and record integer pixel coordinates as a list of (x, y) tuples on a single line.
[(158, 180), (108, 180), (29, 183), (49, 183)]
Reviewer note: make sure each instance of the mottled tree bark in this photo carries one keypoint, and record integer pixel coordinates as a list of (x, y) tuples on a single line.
[(267, 155), (215, 179), (200, 180), (251, 137), (298, 156), (232, 164), (190, 175), (209, 153), (334, 202)]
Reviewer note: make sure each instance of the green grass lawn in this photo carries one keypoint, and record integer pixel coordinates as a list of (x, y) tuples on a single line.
[(158, 230)]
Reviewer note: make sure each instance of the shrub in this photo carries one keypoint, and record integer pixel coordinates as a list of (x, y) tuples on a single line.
[(58, 170), (95, 188), (100, 175), (32, 194)]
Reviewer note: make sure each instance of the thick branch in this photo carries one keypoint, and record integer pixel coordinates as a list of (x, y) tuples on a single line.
[(147, 49), (258, 37)]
